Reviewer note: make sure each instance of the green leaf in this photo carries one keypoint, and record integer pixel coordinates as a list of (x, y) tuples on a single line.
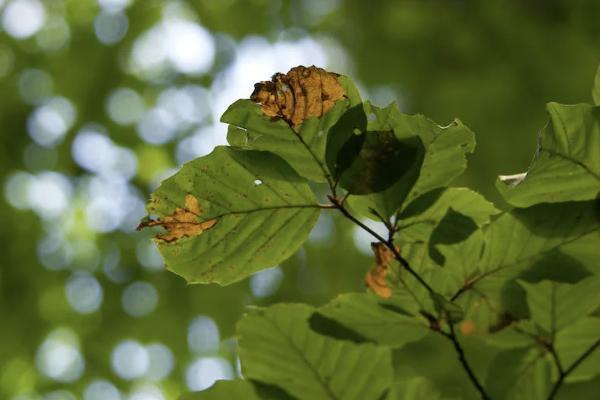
[(512, 245), (596, 88), (575, 340), (259, 211), (418, 388), (380, 160), (304, 150), (419, 219), (374, 320), (554, 306), (446, 309), (520, 374), (444, 159), (366, 154), (237, 389), (566, 166), (278, 347)]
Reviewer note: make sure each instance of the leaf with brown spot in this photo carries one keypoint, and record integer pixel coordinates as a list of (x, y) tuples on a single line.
[(300, 94), (376, 276), (229, 214), (292, 116), (184, 222)]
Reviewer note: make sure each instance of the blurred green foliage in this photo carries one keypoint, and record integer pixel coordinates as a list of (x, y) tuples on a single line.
[(493, 64)]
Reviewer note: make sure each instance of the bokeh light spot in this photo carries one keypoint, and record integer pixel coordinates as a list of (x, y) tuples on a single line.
[(59, 357), (23, 18), (84, 293), (110, 27), (266, 282), (162, 361), (203, 335), (101, 389), (139, 299), (125, 106), (49, 122), (130, 360), (204, 372)]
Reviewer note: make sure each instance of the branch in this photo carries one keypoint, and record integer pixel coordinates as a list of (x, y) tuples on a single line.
[(389, 244), (565, 373), (463, 360)]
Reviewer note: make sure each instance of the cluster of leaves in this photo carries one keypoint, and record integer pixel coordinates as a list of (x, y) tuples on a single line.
[(525, 279)]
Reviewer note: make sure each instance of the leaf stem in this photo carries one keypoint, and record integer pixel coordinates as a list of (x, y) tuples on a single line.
[(565, 373), (389, 244), (463, 360)]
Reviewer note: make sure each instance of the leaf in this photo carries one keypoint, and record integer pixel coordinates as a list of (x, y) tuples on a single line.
[(446, 309), (380, 160), (573, 341), (251, 211), (303, 147), (183, 222), (418, 388), (377, 322), (596, 88), (444, 159), (367, 156), (510, 246), (278, 347), (520, 374), (418, 220), (566, 166), (237, 389), (454, 228), (554, 305), (375, 278), (298, 95)]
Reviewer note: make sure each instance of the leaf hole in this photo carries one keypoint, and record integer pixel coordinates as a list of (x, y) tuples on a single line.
[(258, 182)]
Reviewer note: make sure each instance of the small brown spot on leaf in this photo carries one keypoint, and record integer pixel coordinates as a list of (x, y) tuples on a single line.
[(182, 223), (300, 94), (375, 278), (467, 327)]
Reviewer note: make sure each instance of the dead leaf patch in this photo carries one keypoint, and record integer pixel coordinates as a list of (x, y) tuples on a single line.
[(300, 94), (375, 278), (182, 223)]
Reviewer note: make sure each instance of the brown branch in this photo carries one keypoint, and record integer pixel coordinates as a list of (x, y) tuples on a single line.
[(389, 244), (463, 361), (565, 373)]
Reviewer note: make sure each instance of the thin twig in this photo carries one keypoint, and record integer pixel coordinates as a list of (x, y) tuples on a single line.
[(463, 360), (390, 245), (565, 373)]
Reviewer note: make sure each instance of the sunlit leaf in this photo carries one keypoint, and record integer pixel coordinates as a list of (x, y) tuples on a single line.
[(520, 374), (566, 166), (419, 388), (444, 159), (554, 305), (302, 146), (277, 346), (374, 319), (237, 389), (231, 213), (574, 341)]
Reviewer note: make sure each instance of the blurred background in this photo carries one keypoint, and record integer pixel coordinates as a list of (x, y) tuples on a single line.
[(101, 99)]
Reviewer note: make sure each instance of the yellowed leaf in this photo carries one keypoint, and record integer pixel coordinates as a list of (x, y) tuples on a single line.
[(184, 222), (300, 94), (376, 276)]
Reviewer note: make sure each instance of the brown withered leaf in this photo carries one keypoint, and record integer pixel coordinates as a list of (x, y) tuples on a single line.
[(375, 278), (183, 222), (300, 94)]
